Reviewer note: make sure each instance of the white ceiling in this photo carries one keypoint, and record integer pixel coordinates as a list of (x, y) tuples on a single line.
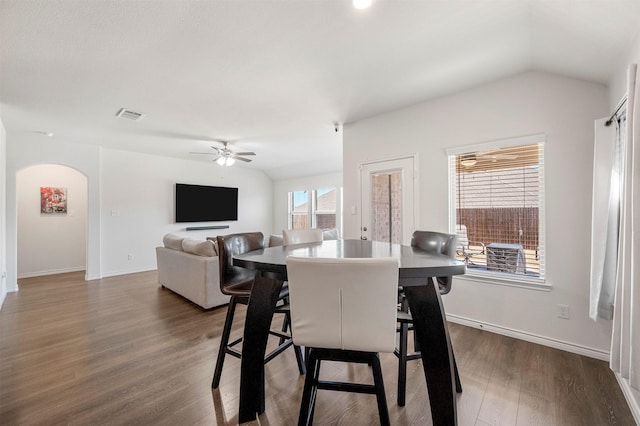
[(272, 76)]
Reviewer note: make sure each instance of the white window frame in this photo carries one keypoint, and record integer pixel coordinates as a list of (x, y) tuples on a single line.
[(290, 207), (312, 208), (498, 277), (316, 212)]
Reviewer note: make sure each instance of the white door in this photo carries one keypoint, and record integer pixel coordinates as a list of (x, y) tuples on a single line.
[(387, 209)]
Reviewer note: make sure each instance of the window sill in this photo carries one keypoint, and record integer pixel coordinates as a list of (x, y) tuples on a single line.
[(509, 280)]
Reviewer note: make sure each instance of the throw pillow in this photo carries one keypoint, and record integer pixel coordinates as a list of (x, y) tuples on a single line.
[(173, 241), (214, 240), (200, 248)]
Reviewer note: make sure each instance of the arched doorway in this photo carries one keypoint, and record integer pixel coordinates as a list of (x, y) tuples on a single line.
[(52, 210)]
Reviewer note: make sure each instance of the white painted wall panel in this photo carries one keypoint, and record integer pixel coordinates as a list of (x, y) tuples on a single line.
[(531, 103), (281, 189), (3, 214), (51, 243), (139, 189), (618, 82), (29, 149)]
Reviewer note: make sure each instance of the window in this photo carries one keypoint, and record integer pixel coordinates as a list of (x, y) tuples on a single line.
[(497, 198), (325, 208), (313, 209), (299, 210)]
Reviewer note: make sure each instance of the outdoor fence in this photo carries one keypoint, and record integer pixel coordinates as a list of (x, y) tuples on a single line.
[(501, 225)]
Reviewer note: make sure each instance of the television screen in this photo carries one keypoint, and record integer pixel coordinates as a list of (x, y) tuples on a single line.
[(198, 203)]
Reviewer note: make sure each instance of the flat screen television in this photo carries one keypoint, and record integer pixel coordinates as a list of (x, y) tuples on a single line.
[(199, 203)]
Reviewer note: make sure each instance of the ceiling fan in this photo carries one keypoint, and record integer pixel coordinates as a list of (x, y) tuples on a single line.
[(225, 156)]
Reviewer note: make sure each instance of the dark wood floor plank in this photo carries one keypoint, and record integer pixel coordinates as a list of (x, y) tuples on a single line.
[(602, 389), (534, 410), (123, 350), (573, 406), (499, 404)]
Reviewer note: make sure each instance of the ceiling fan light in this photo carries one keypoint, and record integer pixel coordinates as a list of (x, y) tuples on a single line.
[(468, 160), (230, 161), (221, 161)]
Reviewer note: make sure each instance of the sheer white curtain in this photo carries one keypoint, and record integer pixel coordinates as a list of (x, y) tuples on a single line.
[(625, 342), (607, 197)]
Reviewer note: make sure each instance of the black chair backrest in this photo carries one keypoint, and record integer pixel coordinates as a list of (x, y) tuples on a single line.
[(234, 244), (438, 243)]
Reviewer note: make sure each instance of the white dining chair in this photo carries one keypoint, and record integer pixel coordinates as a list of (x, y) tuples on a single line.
[(301, 236), (343, 310)]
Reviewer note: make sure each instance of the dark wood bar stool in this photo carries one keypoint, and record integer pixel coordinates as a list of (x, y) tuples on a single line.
[(432, 242), (237, 282)]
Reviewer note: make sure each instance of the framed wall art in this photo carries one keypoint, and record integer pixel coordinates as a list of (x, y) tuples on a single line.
[(53, 200)]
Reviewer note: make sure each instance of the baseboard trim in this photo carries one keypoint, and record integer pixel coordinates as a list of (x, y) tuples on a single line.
[(128, 271), (630, 396), (87, 277), (51, 272), (533, 338), (3, 294)]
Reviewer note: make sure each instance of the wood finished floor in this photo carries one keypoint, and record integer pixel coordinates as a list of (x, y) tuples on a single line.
[(124, 351)]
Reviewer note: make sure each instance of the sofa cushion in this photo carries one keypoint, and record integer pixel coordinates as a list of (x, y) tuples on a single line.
[(197, 247), (173, 241)]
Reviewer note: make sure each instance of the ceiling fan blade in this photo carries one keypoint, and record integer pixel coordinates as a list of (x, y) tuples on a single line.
[(246, 160), (244, 153)]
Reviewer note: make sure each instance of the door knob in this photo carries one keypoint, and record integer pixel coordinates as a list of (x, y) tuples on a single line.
[(364, 237)]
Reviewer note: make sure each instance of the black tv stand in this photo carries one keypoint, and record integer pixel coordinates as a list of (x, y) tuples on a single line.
[(200, 228)]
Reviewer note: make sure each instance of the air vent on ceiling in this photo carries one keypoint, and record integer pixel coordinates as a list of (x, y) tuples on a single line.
[(128, 114)]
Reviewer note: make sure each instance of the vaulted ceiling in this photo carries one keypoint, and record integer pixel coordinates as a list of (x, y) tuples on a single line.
[(273, 76)]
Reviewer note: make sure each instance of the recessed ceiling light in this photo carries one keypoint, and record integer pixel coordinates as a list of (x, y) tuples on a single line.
[(43, 133), (361, 4)]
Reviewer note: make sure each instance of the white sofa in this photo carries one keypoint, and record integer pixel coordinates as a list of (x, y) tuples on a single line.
[(190, 268)]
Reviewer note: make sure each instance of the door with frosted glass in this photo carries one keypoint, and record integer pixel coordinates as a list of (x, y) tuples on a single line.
[(387, 205)]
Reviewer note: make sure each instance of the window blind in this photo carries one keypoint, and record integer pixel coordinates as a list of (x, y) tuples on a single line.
[(499, 205)]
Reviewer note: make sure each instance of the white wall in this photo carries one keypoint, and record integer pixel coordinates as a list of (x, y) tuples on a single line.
[(3, 216), (531, 103), (281, 189), (139, 189), (618, 82), (25, 150), (51, 243)]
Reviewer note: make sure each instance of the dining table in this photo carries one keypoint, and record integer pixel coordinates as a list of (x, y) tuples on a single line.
[(415, 275)]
